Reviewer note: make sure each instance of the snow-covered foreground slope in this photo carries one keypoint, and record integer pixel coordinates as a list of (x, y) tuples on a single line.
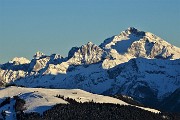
[(41, 99)]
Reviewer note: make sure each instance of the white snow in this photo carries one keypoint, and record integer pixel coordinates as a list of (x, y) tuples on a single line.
[(141, 44), (19, 60), (38, 55), (41, 99)]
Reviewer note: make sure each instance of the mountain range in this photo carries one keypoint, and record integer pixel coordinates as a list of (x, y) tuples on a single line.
[(134, 63)]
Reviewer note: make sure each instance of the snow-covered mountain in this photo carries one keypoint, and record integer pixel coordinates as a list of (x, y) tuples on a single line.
[(135, 63), (141, 44)]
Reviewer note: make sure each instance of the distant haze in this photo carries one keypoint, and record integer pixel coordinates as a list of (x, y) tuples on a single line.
[(54, 26)]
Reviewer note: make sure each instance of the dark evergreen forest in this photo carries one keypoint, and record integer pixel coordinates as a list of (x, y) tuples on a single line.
[(95, 111)]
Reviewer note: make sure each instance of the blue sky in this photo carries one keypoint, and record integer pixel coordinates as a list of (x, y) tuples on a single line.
[(54, 26)]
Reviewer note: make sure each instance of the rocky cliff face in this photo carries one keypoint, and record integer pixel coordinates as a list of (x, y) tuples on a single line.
[(86, 54)]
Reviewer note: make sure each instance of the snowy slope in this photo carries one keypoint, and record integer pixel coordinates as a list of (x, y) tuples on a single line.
[(40, 99)]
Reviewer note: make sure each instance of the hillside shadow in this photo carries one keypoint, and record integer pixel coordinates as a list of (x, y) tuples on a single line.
[(13, 67), (63, 80)]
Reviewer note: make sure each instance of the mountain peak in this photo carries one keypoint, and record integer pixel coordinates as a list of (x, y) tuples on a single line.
[(86, 54), (89, 43), (141, 44), (38, 55), (132, 30), (19, 60)]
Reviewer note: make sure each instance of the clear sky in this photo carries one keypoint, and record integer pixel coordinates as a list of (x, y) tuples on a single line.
[(54, 26)]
